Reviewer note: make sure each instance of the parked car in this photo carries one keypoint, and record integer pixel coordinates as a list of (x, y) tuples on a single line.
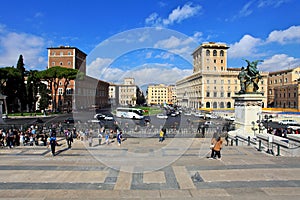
[(287, 122), (208, 123), (200, 115), (161, 116), (69, 120), (101, 116)]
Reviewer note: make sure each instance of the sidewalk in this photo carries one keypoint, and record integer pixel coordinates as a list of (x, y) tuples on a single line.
[(146, 169)]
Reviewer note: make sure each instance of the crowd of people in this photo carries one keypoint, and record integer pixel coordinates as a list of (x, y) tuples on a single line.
[(36, 135)]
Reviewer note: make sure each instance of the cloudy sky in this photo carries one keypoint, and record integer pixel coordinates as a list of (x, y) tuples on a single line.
[(149, 40)]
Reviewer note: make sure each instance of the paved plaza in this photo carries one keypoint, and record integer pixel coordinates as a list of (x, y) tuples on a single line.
[(143, 168)]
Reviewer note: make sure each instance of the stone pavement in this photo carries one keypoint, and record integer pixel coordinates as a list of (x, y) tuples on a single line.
[(146, 169)]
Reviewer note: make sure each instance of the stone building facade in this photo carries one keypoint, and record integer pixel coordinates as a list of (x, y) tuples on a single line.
[(80, 94), (212, 84)]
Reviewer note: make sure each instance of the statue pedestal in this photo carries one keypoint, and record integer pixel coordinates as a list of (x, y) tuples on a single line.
[(248, 109), (2, 100), (1, 120)]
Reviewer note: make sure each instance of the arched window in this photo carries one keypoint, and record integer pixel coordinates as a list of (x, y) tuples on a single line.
[(228, 105), (215, 53), (215, 105), (207, 105), (207, 53), (222, 105), (221, 53)]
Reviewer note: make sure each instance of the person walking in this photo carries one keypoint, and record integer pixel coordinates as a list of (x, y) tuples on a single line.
[(100, 136), (217, 148), (161, 135), (69, 138), (53, 143), (119, 137)]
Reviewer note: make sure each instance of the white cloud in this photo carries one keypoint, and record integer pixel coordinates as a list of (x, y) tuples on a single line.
[(290, 35), (246, 11), (144, 74), (13, 44), (271, 3), (279, 62), (98, 68), (179, 46), (245, 47), (176, 16)]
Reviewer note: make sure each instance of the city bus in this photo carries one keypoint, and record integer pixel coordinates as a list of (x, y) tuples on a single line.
[(131, 113)]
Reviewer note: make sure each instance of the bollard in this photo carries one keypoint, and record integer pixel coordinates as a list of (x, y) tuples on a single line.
[(259, 145), (248, 140), (278, 150)]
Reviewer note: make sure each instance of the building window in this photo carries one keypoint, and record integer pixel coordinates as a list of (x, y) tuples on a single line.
[(207, 94), (228, 94), (61, 53), (207, 53), (69, 63), (69, 53), (61, 63), (222, 68), (221, 53), (270, 92), (222, 94), (53, 63), (286, 80), (215, 61), (60, 91), (215, 105), (207, 68), (69, 91), (221, 61), (222, 82), (222, 105), (215, 94), (53, 53), (207, 105), (207, 81), (215, 68), (228, 105), (215, 53)]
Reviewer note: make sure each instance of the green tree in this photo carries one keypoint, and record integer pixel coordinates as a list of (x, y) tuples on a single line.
[(21, 84), (45, 97), (57, 74), (140, 97), (33, 83), (9, 79)]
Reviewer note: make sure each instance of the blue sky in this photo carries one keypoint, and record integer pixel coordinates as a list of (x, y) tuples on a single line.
[(150, 40)]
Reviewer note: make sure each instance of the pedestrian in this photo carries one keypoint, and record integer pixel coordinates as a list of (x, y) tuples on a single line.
[(53, 143), (161, 135), (100, 136), (69, 138), (90, 139), (217, 148), (119, 137), (107, 138)]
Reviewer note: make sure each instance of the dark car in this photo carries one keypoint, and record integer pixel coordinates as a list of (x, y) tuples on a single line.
[(39, 120), (69, 120)]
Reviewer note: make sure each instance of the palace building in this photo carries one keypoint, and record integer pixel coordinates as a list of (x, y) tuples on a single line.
[(212, 84), (80, 94)]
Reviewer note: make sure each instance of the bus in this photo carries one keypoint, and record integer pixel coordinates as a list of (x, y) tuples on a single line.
[(131, 113)]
